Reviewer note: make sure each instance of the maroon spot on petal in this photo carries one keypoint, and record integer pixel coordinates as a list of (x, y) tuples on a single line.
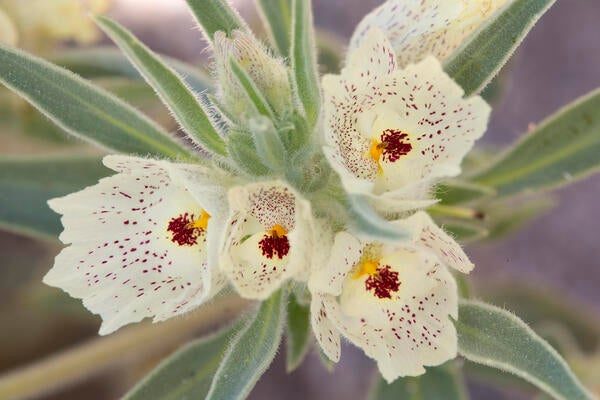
[(274, 245), (395, 144), (184, 234), (383, 282)]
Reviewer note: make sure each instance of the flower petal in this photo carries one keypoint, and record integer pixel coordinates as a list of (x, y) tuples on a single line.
[(426, 233), (419, 28), (325, 331), (411, 329), (342, 256), (405, 130), (267, 238), (132, 255)]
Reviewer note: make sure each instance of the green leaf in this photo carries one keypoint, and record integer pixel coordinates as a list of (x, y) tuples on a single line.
[(366, 220), (268, 144), (298, 333), (480, 58), (304, 60), (562, 149), (171, 88), (240, 146), (464, 232), (494, 337), (253, 93), (187, 373), (104, 62), (458, 192), (26, 183), (277, 15), (82, 109), (439, 383), (250, 352), (216, 15)]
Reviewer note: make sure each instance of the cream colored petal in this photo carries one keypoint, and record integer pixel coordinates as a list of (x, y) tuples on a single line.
[(132, 255), (256, 261), (428, 235), (323, 309), (419, 28)]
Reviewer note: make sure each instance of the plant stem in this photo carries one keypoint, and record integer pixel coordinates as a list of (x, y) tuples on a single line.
[(96, 355)]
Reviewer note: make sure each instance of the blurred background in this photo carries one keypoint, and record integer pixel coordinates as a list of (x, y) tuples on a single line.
[(540, 270)]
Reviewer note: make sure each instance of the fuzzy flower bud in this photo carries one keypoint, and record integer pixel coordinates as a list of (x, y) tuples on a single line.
[(268, 73)]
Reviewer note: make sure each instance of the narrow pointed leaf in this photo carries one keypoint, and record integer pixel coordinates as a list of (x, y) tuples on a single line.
[(26, 184), (216, 15), (458, 192), (563, 149), (100, 62), (438, 383), (278, 17), (253, 93), (187, 373), (304, 62), (494, 337), (83, 109), (367, 221), (171, 88), (482, 56), (250, 352), (297, 333), (464, 232)]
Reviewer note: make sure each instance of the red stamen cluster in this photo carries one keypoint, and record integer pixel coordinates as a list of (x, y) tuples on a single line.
[(395, 144), (383, 282), (273, 244), (183, 232)]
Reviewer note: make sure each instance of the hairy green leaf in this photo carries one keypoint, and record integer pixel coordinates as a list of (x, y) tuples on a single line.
[(366, 220), (439, 383), (562, 149), (82, 109), (464, 232), (250, 352), (458, 192), (242, 151), (278, 17), (304, 59), (216, 15), (26, 183), (494, 337), (171, 88), (298, 333), (100, 62), (482, 56), (253, 93), (187, 373)]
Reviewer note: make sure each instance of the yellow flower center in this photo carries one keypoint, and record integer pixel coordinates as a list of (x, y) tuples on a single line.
[(200, 223), (278, 231), (367, 268)]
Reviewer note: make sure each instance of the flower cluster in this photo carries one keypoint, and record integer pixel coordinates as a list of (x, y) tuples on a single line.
[(160, 238)]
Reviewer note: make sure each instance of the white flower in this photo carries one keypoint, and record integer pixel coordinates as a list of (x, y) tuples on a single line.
[(144, 242), (268, 238), (392, 300), (419, 28), (390, 133)]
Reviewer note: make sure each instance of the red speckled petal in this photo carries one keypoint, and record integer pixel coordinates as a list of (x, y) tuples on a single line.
[(325, 331), (257, 263), (123, 261), (406, 129), (419, 28), (427, 234)]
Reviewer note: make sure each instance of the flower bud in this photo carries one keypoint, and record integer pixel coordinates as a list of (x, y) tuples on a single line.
[(268, 73)]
